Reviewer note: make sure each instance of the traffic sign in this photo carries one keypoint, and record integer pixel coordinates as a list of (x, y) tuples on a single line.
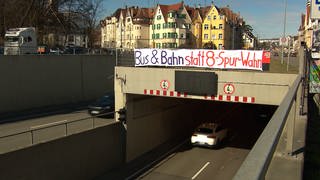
[(228, 88), (165, 84)]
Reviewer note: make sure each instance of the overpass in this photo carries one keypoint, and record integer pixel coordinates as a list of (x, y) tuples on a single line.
[(157, 110), (165, 109)]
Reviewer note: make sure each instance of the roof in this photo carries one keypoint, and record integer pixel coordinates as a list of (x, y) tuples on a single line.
[(233, 17), (165, 9), (143, 16)]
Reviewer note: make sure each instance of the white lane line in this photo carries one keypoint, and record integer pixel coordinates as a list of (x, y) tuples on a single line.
[(195, 176)]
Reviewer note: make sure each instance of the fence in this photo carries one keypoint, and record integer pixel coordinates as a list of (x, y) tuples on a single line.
[(256, 164), (50, 131)]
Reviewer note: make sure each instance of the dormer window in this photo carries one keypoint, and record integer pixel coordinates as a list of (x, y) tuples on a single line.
[(171, 15)]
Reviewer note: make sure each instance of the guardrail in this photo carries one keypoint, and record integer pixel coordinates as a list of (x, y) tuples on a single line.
[(59, 129), (256, 164)]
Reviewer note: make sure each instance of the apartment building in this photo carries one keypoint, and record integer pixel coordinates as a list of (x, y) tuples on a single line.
[(127, 28), (221, 29), (171, 27), (197, 15)]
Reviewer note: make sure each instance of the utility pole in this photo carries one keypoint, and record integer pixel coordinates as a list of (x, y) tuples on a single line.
[(284, 29)]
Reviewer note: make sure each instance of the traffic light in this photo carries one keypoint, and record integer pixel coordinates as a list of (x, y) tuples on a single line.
[(122, 115)]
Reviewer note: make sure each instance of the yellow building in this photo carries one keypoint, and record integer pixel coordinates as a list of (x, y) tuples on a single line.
[(197, 15), (221, 29)]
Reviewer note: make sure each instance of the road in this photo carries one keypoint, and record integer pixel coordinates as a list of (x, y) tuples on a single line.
[(66, 116), (184, 161), (199, 163), (20, 134)]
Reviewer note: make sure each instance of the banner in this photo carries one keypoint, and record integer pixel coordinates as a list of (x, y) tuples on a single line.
[(315, 49), (315, 9), (203, 58), (314, 77)]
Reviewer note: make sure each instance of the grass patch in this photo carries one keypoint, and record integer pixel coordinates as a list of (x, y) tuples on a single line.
[(277, 67)]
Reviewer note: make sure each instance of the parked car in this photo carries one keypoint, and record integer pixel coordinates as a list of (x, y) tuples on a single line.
[(56, 51), (209, 134), (103, 106)]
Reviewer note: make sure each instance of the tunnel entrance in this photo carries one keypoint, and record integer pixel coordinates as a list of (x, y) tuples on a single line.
[(154, 120)]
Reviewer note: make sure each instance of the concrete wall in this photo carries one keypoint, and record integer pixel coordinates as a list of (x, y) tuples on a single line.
[(33, 81), (152, 120), (155, 120), (80, 156), (266, 88)]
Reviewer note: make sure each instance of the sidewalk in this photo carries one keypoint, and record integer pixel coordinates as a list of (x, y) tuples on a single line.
[(291, 167), (305, 161)]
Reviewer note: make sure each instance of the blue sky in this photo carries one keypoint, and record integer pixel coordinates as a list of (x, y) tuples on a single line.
[(265, 16)]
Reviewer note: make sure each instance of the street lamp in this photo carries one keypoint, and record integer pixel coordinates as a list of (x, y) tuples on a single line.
[(284, 28)]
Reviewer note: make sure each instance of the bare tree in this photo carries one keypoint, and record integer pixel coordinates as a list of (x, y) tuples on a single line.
[(62, 17)]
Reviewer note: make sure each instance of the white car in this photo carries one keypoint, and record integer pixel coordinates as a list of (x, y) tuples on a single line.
[(209, 134)]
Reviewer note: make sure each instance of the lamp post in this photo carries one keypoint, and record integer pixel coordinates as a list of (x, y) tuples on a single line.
[(284, 28)]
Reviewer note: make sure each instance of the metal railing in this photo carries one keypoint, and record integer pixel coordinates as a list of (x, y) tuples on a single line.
[(30, 133), (256, 164)]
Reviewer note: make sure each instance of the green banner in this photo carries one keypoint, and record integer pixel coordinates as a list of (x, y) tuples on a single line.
[(314, 77)]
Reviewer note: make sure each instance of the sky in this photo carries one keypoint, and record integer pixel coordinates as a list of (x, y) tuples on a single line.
[(265, 16)]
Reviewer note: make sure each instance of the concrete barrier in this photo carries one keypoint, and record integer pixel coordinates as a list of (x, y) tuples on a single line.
[(80, 156), (32, 81)]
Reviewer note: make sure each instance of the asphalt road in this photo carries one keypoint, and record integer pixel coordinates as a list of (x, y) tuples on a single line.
[(245, 123), (199, 163), (188, 162)]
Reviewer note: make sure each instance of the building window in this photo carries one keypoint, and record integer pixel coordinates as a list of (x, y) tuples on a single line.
[(220, 36), (157, 36), (172, 15), (159, 17), (213, 36), (206, 26), (181, 35), (158, 26), (220, 46), (209, 17), (205, 36), (164, 45), (164, 25), (214, 17), (220, 26), (164, 35), (181, 16), (153, 26), (221, 17)]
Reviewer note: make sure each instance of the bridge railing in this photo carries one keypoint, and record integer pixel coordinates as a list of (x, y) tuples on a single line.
[(47, 132), (256, 164)]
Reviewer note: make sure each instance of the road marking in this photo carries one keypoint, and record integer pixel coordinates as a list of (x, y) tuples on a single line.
[(195, 176)]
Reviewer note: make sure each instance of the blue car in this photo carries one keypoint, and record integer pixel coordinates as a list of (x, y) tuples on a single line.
[(103, 106)]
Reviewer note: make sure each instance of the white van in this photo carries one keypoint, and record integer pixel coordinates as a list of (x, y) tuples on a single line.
[(20, 41)]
